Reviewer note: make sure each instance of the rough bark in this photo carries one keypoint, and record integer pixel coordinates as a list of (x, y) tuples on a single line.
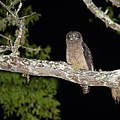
[(60, 70), (102, 15)]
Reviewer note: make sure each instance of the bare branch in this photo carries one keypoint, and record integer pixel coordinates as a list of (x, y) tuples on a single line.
[(100, 14), (115, 2), (11, 12), (21, 29), (19, 7), (4, 48), (60, 70), (28, 15), (18, 40), (5, 37)]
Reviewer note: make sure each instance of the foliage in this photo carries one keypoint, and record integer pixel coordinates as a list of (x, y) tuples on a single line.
[(27, 100), (6, 20), (31, 101), (36, 52), (114, 14), (112, 11)]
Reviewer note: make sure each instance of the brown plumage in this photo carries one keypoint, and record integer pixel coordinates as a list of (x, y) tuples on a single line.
[(78, 55)]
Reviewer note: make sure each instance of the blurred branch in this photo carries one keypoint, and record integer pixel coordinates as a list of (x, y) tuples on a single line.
[(115, 2), (5, 37), (21, 28), (18, 42), (4, 48), (101, 15), (8, 9)]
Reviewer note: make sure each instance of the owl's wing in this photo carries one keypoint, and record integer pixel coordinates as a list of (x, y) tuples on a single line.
[(88, 56)]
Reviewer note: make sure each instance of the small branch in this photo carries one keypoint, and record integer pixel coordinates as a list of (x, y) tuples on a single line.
[(19, 7), (100, 14), (7, 38), (27, 15), (18, 40), (31, 49), (60, 70), (115, 2), (21, 29), (11, 12), (4, 48)]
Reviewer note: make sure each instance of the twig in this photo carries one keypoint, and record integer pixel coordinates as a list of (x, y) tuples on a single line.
[(19, 7), (100, 14), (18, 40), (9, 43), (115, 2), (7, 8), (4, 48), (31, 49), (7, 38), (27, 15), (21, 31)]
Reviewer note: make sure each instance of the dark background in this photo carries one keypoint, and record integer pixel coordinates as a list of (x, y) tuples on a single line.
[(60, 17)]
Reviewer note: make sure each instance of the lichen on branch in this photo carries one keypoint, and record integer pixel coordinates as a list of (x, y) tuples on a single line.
[(14, 63), (101, 15), (59, 69), (115, 2)]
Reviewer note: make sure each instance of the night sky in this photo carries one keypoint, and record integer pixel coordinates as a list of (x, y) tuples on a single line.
[(60, 17)]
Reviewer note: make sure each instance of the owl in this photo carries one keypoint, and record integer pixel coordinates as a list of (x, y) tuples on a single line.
[(78, 55)]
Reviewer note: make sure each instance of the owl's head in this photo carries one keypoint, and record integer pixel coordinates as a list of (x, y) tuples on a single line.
[(73, 35)]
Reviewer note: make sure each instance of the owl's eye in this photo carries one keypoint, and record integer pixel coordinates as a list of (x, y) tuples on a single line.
[(77, 35), (73, 35), (70, 35)]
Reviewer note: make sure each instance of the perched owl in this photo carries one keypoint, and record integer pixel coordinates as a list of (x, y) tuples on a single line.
[(78, 55)]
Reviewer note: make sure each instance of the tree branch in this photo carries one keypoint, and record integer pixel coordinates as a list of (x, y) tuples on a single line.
[(60, 70), (8, 9), (19, 22), (115, 2), (101, 15), (19, 39)]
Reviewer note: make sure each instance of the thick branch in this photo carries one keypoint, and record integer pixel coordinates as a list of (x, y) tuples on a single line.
[(59, 70), (101, 15)]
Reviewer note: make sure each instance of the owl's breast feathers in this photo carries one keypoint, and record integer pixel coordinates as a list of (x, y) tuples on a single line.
[(78, 55)]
